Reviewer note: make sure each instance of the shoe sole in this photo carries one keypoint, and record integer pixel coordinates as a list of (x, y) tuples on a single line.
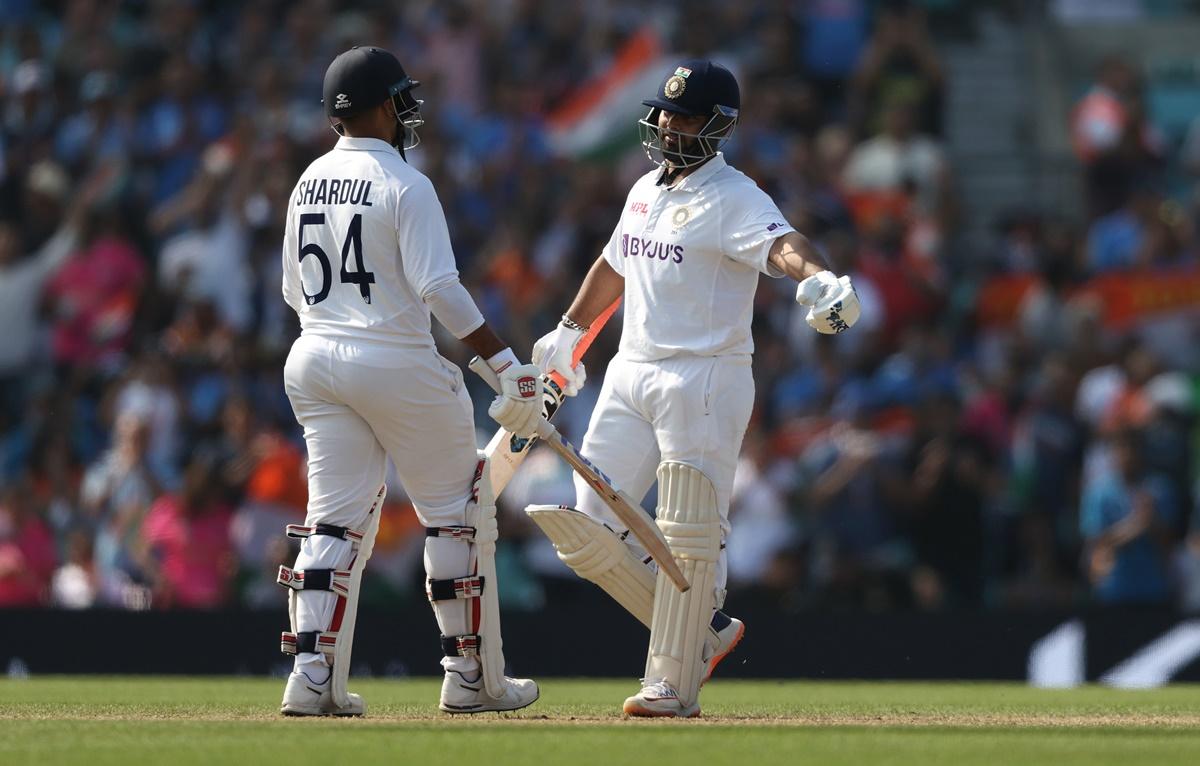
[(637, 711), (297, 713), (464, 710), (716, 660)]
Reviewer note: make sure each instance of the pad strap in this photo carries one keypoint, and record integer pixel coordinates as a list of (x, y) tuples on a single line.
[(336, 580), (330, 530), (461, 646), (470, 586), (466, 534), (308, 641)]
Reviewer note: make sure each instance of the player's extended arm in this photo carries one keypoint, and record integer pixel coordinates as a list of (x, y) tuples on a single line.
[(831, 301), (795, 256)]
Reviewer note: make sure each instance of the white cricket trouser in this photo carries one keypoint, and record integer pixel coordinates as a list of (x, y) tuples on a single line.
[(360, 405), (688, 408)]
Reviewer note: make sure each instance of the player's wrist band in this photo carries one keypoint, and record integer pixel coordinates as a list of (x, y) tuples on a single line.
[(571, 324)]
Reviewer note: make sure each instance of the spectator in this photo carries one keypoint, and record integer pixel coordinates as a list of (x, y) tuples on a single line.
[(27, 553), (900, 63), (187, 542), (1112, 137), (849, 486), (1148, 232), (101, 131), (765, 531), (93, 296), (1126, 519), (75, 585), (946, 498), (899, 166)]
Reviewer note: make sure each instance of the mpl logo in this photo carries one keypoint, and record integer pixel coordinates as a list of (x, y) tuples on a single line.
[(527, 387)]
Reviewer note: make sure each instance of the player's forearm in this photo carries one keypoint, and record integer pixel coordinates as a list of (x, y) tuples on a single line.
[(796, 257), (484, 342), (600, 288)]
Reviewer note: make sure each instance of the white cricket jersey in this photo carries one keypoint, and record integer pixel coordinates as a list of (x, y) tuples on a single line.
[(366, 241), (691, 255)]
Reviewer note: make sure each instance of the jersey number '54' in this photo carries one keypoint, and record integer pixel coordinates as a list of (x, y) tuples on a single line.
[(360, 276)]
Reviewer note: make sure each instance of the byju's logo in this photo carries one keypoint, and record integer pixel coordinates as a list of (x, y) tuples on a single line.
[(632, 247), (342, 102)]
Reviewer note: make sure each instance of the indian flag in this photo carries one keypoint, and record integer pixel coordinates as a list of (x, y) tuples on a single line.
[(599, 119)]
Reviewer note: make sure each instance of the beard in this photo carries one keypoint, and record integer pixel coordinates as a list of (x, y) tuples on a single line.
[(686, 150)]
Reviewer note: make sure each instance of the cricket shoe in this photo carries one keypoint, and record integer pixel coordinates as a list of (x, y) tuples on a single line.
[(462, 696), (658, 699), (304, 696), (724, 633)]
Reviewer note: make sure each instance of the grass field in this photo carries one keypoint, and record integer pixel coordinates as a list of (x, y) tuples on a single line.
[(229, 721)]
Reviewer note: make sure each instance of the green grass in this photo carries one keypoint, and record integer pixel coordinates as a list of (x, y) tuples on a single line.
[(228, 721)]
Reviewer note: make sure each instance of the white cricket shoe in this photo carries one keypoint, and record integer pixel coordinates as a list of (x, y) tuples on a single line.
[(724, 633), (304, 696), (462, 696), (658, 699)]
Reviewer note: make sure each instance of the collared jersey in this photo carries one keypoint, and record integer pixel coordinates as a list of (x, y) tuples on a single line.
[(691, 255), (366, 241)]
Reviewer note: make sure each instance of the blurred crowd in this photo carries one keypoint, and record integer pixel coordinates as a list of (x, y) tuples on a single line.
[(148, 455)]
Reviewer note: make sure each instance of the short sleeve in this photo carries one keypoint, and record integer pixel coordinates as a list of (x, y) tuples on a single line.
[(291, 264), (750, 224), (427, 259), (613, 251)]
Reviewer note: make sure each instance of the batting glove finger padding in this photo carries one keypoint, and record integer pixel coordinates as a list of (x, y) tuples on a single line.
[(518, 406), (832, 303)]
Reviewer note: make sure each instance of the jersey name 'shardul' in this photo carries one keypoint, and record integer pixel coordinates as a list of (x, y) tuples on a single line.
[(366, 241), (691, 256)]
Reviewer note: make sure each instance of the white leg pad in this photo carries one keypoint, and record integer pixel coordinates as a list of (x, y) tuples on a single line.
[(599, 555), (326, 617), (491, 645), (345, 642), (689, 519)]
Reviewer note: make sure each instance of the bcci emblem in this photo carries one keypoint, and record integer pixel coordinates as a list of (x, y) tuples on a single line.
[(681, 216), (675, 86)]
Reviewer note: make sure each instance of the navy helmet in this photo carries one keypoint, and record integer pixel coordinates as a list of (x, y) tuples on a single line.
[(365, 77), (694, 87)]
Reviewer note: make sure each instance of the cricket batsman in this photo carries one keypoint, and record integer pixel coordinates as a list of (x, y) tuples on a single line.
[(366, 261), (693, 237)]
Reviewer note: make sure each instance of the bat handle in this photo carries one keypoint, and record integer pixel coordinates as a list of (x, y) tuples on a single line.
[(484, 370)]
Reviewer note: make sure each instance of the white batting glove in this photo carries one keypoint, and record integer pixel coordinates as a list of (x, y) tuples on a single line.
[(552, 353), (832, 303), (518, 406)]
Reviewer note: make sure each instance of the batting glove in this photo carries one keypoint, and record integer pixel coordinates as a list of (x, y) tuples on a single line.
[(832, 303), (518, 406), (552, 353)]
